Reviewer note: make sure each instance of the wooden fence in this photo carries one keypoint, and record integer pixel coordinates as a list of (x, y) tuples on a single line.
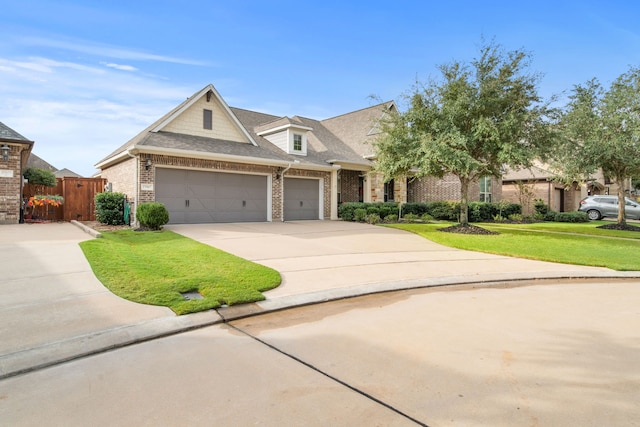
[(78, 193)]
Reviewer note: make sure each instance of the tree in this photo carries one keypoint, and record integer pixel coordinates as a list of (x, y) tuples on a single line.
[(474, 121), (40, 178), (601, 130)]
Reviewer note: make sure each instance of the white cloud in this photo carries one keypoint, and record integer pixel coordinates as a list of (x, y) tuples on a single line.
[(95, 49), (119, 67)]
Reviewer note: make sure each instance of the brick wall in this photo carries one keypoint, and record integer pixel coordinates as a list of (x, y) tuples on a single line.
[(10, 197), (122, 177), (349, 184)]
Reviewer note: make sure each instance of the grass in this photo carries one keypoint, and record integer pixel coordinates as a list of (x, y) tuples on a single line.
[(155, 267), (581, 244)]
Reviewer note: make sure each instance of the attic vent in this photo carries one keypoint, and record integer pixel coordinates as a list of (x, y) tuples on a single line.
[(207, 119)]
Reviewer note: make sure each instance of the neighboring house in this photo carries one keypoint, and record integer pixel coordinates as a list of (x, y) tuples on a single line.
[(208, 162), (538, 182), (14, 152), (66, 173)]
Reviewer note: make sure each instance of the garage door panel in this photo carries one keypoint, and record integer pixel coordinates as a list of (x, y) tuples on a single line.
[(204, 197), (301, 199)]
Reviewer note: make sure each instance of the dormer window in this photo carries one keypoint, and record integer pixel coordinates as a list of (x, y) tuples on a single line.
[(288, 135), (297, 142)]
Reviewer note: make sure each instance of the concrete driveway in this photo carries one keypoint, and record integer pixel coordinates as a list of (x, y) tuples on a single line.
[(53, 308), (321, 260)]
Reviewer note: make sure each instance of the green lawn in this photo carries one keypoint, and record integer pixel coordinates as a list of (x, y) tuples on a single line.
[(155, 267), (581, 244)]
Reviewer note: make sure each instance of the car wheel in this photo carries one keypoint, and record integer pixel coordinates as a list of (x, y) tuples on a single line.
[(593, 214)]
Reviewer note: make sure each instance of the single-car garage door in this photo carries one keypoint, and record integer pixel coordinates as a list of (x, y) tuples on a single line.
[(193, 197), (301, 199)]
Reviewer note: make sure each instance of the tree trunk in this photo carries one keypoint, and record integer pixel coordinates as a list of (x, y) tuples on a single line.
[(621, 202), (464, 201)]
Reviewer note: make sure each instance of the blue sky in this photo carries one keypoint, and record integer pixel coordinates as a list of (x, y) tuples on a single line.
[(80, 78)]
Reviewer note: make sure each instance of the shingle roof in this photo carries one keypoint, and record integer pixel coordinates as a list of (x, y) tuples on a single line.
[(36, 162), (340, 139), (8, 134), (358, 129), (528, 174)]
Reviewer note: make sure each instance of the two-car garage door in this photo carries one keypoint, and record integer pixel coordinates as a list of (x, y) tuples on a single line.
[(193, 197)]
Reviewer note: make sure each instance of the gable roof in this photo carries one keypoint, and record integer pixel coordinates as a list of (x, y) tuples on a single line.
[(8, 134), (337, 140), (359, 128), (36, 162)]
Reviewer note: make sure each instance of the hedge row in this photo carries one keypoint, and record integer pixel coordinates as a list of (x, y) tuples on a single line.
[(446, 211)]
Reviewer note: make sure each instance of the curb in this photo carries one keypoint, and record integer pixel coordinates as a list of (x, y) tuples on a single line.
[(86, 229), (55, 353)]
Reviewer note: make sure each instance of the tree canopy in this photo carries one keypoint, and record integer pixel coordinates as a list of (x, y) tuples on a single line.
[(40, 178), (601, 129), (473, 121)]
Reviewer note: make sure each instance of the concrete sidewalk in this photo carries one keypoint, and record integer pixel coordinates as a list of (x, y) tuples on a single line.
[(53, 309)]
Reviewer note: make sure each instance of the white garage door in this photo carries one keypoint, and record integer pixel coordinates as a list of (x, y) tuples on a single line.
[(301, 199), (193, 197)]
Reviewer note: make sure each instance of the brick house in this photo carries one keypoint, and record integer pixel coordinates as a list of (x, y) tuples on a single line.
[(208, 162), (14, 152)]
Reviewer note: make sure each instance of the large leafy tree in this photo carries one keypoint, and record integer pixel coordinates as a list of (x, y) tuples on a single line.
[(601, 129), (473, 121)]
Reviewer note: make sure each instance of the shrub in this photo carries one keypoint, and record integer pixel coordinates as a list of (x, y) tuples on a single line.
[(540, 207), (426, 217), (372, 208), (391, 218), (110, 208), (359, 214), (372, 218), (499, 218), (40, 178), (550, 216), (480, 211), (410, 217), (516, 217), (414, 208), (152, 215), (387, 209), (574, 216), (446, 211)]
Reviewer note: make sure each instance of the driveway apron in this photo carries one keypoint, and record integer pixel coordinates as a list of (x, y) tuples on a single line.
[(325, 256)]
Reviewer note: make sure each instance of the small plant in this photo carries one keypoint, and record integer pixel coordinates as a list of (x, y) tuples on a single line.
[(410, 217), (516, 217), (372, 218), (152, 215), (110, 208), (573, 216), (359, 214), (391, 218), (540, 207), (499, 218), (426, 218)]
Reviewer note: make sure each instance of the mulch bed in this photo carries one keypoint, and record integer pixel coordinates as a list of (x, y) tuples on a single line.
[(467, 229), (616, 226)]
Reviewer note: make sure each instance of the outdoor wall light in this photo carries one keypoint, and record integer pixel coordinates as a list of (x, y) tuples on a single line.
[(147, 164), (5, 152)]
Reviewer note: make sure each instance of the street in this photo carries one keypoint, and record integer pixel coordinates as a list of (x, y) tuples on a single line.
[(534, 355)]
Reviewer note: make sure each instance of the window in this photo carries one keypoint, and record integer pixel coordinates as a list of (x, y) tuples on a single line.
[(485, 189), (207, 119), (388, 191), (297, 142)]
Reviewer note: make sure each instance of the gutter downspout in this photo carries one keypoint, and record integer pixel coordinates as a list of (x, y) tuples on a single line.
[(137, 181)]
